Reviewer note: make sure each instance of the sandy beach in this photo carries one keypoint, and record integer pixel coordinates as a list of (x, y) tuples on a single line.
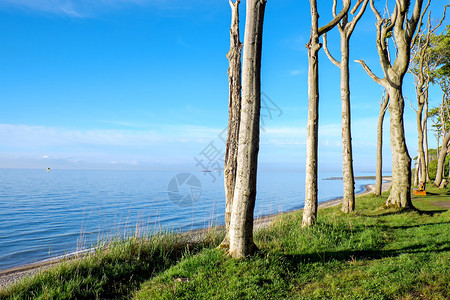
[(10, 276)]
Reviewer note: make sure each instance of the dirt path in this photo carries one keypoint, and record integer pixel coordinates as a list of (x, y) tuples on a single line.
[(443, 204)]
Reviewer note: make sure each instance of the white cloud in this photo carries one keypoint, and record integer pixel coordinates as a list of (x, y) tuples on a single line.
[(87, 8), (35, 136), (296, 72)]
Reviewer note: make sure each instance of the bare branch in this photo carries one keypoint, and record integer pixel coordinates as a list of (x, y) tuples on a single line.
[(410, 104), (420, 22), (356, 7), (442, 19), (325, 48), (415, 18), (333, 10), (375, 11), (355, 20), (382, 32), (384, 101), (370, 73), (337, 19)]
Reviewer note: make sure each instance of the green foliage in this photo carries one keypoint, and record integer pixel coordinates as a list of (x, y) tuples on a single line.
[(432, 167), (442, 48)]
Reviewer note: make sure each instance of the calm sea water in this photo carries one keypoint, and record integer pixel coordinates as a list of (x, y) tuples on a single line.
[(48, 214)]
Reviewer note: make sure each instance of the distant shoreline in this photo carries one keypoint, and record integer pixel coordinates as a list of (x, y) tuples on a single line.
[(10, 276)]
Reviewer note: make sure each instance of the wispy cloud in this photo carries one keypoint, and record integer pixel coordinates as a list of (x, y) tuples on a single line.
[(25, 145), (296, 43), (87, 8), (295, 72), (32, 136)]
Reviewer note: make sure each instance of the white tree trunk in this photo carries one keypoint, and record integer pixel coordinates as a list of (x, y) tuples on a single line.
[(348, 202), (420, 141), (416, 173), (441, 161), (312, 131), (379, 168), (310, 209), (425, 140), (234, 106), (403, 30), (241, 223), (400, 195)]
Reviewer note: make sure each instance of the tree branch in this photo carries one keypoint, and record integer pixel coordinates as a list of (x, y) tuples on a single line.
[(333, 10), (442, 19), (325, 48), (355, 20), (384, 102), (416, 16), (410, 104), (370, 73), (375, 11), (382, 32), (337, 19), (356, 7), (420, 22)]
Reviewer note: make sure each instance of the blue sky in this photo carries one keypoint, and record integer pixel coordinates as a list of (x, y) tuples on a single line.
[(142, 84)]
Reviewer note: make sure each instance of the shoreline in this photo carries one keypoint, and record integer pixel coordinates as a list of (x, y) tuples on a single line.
[(12, 275), (369, 188)]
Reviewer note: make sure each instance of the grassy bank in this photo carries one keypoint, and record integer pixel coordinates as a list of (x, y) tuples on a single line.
[(371, 254)]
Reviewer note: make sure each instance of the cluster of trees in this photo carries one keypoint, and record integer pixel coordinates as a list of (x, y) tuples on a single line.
[(401, 28), (431, 65)]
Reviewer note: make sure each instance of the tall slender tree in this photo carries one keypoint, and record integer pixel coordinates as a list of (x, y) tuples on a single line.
[(346, 28), (313, 46), (379, 169), (403, 29), (444, 117), (241, 222), (234, 116), (442, 49), (423, 65)]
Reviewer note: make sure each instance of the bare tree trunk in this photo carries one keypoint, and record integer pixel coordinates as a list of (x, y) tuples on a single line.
[(420, 139), (348, 201), (404, 32), (448, 176), (441, 161), (379, 169), (234, 106), (345, 30), (425, 139), (422, 67), (311, 200), (241, 223), (416, 173), (400, 195)]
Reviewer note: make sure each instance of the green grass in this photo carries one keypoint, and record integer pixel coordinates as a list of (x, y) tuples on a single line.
[(373, 253), (110, 272)]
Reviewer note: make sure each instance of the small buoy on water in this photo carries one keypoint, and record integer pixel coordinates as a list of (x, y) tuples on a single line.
[(48, 169)]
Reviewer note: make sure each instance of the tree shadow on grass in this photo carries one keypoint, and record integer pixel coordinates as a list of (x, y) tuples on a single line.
[(433, 194), (431, 213), (296, 260), (386, 227), (405, 211)]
